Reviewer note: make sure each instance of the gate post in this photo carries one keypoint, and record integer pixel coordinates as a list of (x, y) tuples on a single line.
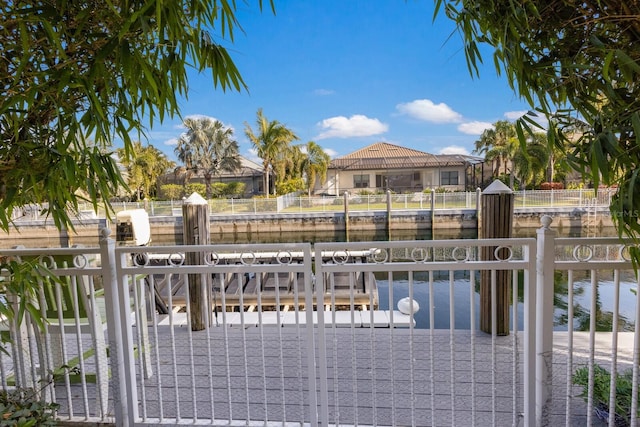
[(545, 267), (122, 369)]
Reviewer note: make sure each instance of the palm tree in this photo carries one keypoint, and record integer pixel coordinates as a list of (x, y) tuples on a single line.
[(530, 165), (498, 144), (315, 165), (271, 139), (144, 167), (208, 146)]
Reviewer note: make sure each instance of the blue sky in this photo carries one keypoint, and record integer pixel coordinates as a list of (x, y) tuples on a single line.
[(349, 73)]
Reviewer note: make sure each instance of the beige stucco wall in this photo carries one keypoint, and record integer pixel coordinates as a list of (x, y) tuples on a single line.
[(338, 182)]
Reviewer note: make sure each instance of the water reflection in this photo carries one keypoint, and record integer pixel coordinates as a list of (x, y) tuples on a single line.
[(466, 300)]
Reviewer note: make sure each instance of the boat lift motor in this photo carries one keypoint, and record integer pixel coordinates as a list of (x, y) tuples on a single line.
[(133, 228)]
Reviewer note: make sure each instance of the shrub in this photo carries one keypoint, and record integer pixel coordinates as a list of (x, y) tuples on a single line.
[(171, 191), (551, 186), (601, 387), (22, 407), (235, 188), (195, 187)]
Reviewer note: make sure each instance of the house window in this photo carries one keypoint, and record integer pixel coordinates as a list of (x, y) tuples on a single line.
[(361, 181), (449, 178)]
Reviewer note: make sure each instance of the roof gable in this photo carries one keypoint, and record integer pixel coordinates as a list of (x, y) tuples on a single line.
[(384, 150), (383, 155)]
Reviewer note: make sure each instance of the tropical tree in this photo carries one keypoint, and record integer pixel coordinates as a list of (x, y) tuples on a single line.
[(315, 165), (570, 60), (143, 168), (208, 147), (498, 144), (530, 165), (271, 139), (77, 76), (288, 172)]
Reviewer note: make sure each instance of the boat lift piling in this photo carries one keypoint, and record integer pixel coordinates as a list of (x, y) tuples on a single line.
[(197, 231), (497, 223)]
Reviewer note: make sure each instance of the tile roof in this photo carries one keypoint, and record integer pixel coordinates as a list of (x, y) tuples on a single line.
[(383, 155)]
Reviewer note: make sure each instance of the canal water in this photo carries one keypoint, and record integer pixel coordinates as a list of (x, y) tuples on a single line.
[(463, 295)]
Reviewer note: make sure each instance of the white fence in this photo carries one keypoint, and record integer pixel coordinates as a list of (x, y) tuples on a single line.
[(294, 338), (526, 199)]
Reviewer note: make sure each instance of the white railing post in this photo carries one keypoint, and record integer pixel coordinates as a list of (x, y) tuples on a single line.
[(545, 265), (125, 401)]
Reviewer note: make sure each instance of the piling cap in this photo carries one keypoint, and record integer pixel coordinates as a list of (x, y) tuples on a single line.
[(195, 199), (497, 187)]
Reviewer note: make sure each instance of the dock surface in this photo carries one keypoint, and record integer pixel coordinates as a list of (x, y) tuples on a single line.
[(374, 377)]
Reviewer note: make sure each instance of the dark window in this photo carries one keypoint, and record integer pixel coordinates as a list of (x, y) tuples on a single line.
[(449, 178), (361, 181)]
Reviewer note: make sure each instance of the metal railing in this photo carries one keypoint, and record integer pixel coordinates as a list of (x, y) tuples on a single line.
[(368, 333), (525, 199)]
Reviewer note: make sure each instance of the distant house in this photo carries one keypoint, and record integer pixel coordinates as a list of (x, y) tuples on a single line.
[(383, 166), (249, 173)]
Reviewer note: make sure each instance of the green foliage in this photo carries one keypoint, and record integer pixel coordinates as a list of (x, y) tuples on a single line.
[(271, 141), (602, 387), (231, 189), (208, 147), (143, 168), (290, 186), (77, 76), (23, 408), (235, 188), (315, 165), (195, 187), (171, 191), (578, 67), (22, 278)]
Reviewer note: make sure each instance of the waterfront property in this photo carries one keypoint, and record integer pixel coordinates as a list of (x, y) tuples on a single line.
[(289, 365), (382, 167), (412, 216)]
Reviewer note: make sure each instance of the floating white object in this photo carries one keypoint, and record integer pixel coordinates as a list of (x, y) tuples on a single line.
[(404, 306)]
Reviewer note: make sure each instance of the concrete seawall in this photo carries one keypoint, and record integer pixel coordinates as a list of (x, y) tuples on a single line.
[(169, 228)]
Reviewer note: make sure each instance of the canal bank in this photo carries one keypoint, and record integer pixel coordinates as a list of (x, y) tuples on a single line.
[(373, 225)]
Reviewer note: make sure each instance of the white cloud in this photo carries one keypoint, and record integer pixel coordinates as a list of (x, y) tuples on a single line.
[(332, 153), (454, 149), (514, 115), (172, 141), (427, 110), (356, 125), (253, 156), (324, 92), (474, 128), (200, 116)]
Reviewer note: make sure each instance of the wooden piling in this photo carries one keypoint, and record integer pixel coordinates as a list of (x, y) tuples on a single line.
[(197, 231), (497, 223)]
